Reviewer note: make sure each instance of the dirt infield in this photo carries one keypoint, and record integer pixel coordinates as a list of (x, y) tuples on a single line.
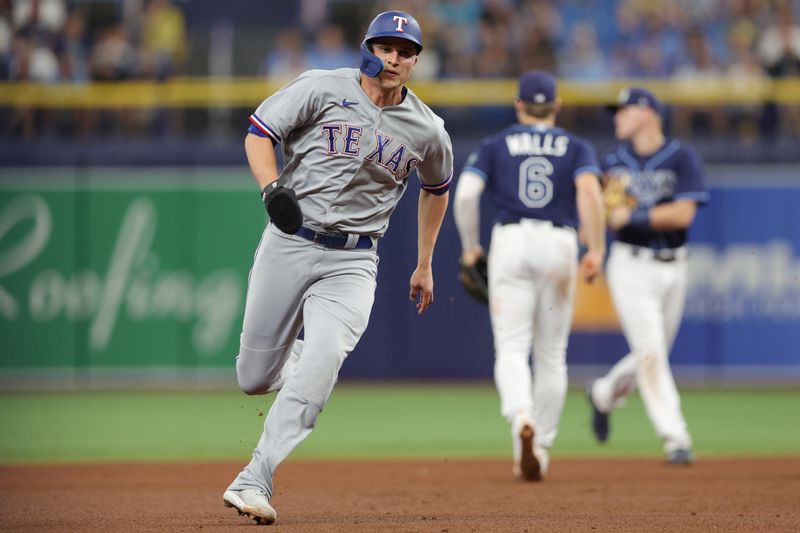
[(429, 496)]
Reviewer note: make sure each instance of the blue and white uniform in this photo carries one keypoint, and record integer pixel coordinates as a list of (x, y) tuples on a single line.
[(530, 173), (674, 172), (647, 276)]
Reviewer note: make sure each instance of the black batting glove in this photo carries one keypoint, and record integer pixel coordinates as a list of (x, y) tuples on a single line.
[(282, 207)]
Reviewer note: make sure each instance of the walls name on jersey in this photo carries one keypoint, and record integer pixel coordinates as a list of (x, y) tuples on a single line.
[(344, 140), (525, 143)]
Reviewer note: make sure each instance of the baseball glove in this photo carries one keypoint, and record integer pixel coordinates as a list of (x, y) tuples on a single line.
[(616, 193), (282, 207), (475, 279)]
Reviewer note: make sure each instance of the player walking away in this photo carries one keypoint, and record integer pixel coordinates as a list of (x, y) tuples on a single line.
[(350, 139), (647, 266), (543, 182)]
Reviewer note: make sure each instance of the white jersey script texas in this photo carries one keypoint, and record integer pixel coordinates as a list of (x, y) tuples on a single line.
[(346, 158)]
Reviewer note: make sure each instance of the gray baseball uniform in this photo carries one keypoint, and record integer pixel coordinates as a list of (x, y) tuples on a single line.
[(348, 161)]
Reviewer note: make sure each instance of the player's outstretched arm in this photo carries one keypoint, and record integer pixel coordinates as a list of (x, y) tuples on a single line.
[(430, 214), (592, 220), (466, 210)]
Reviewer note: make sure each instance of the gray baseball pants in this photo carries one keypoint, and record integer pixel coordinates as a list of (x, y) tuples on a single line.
[(296, 284)]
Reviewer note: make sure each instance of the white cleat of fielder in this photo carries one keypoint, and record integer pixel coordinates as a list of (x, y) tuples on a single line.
[(251, 502)]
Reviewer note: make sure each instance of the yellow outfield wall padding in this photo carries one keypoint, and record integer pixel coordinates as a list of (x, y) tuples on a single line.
[(248, 92)]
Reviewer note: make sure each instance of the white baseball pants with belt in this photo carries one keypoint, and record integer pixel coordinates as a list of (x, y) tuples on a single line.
[(649, 296), (532, 276)]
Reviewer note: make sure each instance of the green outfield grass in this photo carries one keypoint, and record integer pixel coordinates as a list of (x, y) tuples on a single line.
[(369, 421)]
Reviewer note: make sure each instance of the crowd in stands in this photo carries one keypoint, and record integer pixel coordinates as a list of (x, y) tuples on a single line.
[(583, 40), (577, 39), (50, 41)]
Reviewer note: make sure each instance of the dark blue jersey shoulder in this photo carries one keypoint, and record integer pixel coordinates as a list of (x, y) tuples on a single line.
[(530, 172), (672, 173)]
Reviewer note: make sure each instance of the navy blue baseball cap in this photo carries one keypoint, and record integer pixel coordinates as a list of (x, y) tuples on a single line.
[(538, 87), (638, 96)]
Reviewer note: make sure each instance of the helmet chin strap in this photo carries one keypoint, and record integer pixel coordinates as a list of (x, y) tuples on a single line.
[(371, 65)]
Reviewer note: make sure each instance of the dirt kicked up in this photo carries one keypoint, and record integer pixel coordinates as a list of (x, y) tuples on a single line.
[(426, 496)]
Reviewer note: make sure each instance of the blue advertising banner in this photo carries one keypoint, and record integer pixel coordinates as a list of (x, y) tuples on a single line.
[(743, 304)]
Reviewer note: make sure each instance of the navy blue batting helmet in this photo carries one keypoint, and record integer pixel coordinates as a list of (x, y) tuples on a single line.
[(388, 24)]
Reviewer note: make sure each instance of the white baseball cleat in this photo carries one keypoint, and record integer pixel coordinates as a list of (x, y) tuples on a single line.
[(251, 502), (543, 457)]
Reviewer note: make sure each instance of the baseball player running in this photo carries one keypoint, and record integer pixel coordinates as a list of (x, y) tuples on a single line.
[(647, 266), (350, 139), (543, 182)]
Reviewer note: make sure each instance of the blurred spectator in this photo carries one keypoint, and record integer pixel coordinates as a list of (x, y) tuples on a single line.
[(463, 13), (697, 66), (742, 71), (494, 58), (312, 14), (581, 59), (36, 24), (779, 45), (40, 16), (330, 50), (743, 63), (6, 33), (535, 27), (657, 46), (621, 50), (113, 56), (31, 60), (779, 50), (73, 55), (287, 56), (457, 45), (163, 47), (698, 61)]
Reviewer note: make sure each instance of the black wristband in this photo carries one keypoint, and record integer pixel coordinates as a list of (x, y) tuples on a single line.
[(266, 190), (640, 218)]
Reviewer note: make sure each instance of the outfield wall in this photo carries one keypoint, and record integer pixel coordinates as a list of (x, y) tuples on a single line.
[(109, 272)]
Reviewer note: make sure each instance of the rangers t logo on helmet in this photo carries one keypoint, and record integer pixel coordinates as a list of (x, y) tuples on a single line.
[(400, 22), (388, 24)]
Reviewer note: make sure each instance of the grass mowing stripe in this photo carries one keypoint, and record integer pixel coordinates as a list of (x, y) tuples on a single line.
[(368, 421)]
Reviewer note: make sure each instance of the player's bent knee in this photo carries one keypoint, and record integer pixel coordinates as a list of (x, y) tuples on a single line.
[(257, 370), (252, 388)]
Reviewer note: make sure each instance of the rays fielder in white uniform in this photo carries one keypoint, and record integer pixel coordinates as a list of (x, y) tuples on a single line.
[(647, 267), (350, 138), (543, 182)]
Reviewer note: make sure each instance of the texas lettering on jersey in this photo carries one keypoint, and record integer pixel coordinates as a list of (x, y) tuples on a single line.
[(344, 139)]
